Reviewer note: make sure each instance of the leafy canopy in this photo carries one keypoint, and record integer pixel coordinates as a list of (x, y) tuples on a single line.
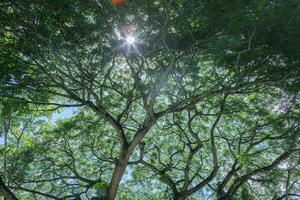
[(180, 99)]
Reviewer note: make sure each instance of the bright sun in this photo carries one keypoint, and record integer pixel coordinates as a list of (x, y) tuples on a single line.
[(130, 40)]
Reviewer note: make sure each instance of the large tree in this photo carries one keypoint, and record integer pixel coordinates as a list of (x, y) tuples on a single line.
[(173, 99)]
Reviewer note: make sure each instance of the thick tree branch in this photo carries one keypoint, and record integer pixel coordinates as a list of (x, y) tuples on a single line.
[(6, 192)]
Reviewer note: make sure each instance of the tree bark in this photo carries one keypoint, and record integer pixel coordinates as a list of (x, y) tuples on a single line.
[(124, 158), (5, 191), (117, 176)]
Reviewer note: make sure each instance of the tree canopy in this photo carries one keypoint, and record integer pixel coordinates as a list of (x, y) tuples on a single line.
[(171, 99)]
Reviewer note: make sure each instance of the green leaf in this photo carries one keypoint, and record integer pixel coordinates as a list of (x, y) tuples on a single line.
[(101, 188), (164, 178), (245, 194)]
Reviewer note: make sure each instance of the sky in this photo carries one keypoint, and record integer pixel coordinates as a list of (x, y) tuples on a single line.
[(64, 113)]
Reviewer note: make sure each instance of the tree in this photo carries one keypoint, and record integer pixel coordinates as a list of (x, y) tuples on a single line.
[(5, 192), (176, 99)]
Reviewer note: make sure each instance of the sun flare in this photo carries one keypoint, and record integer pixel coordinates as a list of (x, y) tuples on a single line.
[(130, 39)]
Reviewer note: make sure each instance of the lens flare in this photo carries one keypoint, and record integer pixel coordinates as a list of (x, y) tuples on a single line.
[(117, 2), (130, 40)]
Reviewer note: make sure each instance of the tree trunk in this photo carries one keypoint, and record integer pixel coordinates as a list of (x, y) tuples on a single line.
[(117, 176), (124, 158), (177, 198)]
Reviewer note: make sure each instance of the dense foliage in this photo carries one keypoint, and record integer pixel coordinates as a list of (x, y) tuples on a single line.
[(172, 99)]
